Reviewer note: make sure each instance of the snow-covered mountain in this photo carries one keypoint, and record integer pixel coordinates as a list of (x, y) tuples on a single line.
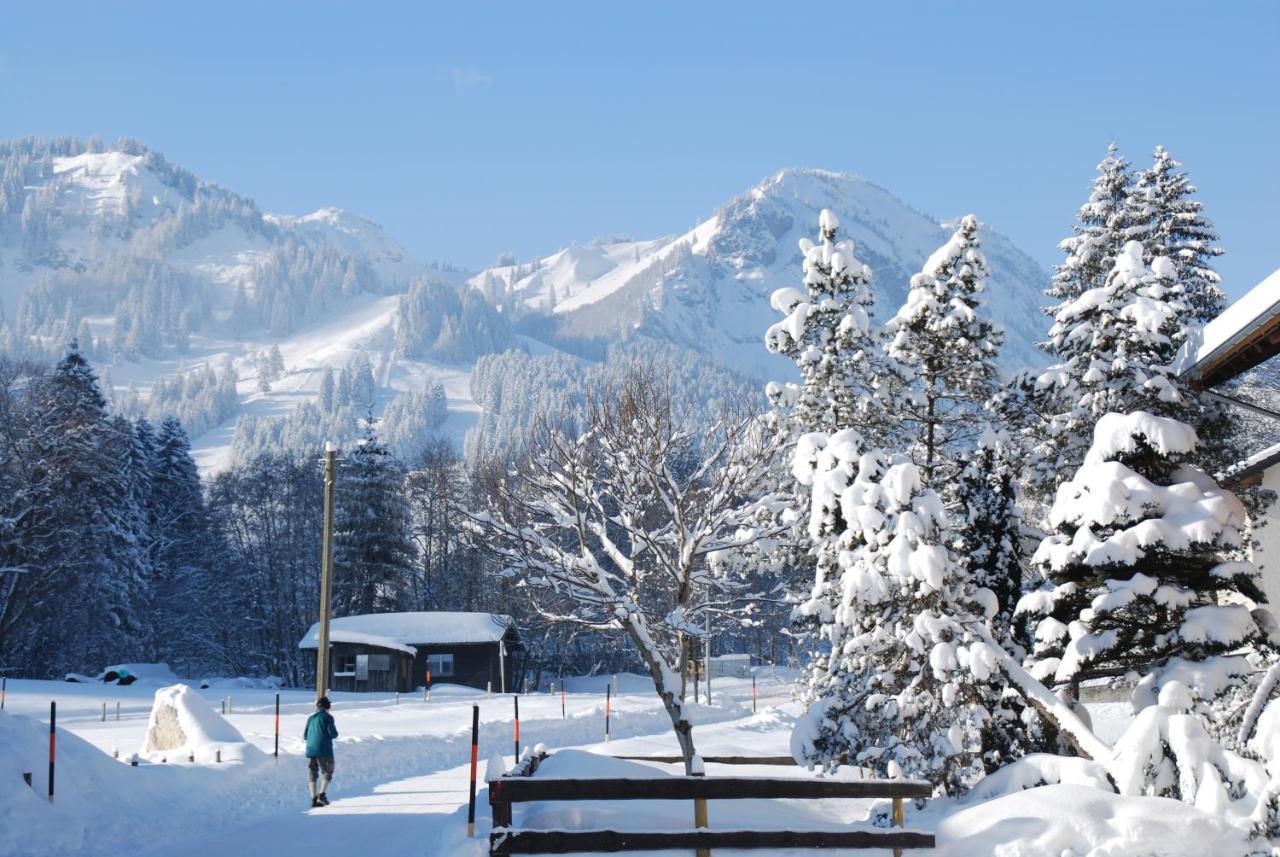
[(708, 289), (168, 276)]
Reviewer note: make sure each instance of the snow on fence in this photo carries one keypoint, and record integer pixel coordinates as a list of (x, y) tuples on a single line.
[(520, 786)]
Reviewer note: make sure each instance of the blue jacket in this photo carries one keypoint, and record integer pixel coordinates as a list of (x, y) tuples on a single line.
[(320, 732)]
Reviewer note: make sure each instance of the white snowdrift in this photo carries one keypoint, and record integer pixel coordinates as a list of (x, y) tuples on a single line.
[(1085, 822)]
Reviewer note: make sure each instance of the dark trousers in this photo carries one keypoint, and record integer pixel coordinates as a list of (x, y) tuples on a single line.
[(316, 764)]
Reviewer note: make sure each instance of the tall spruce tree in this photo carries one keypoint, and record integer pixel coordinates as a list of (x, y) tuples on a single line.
[(1143, 542), (1169, 222), (1101, 231), (943, 352), (373, 547)]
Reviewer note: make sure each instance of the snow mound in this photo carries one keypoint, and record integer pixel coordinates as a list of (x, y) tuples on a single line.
[(1040, 769), (1084, 822), (182, 724)]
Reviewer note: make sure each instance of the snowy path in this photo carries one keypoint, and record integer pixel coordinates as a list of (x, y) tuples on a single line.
[(403, 817)]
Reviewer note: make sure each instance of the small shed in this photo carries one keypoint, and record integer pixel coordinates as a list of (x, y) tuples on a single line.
[(394, 651)]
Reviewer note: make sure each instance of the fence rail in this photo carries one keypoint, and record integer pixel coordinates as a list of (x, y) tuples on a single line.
[(519, 786)]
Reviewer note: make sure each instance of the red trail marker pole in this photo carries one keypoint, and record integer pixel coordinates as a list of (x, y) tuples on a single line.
[(516, 700), (426, 689), (53, 743), (277, 750), (475, 759), (608, 708)]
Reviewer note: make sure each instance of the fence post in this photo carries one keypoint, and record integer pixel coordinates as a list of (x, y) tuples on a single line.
[(117, 709), (753, 694), (516, 760), (53, 743), (228, 703), (475, 757), (217, 756), (488, 687), (562, 714), (898, 821), (697, 769), (104, 712), (277, 750), (608, 708), (4, 689)]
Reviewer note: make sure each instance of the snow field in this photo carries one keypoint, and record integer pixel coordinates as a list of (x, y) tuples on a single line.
[(104, 803)]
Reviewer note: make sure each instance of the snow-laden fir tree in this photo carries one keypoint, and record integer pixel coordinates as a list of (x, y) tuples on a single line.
[(1098, 236), (988, 525), (827, 332), (943, 351), (1032, 398), (908, 687), (1144, 567), (373, 554), (1168, 221)]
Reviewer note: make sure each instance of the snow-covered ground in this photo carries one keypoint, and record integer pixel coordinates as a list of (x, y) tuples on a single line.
[(401, 782)]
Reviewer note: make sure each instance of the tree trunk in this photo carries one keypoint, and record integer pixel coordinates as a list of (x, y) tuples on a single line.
[(675, 707)]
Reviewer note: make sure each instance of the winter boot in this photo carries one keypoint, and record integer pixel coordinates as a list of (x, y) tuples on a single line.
[(324, 801), (315, 803)]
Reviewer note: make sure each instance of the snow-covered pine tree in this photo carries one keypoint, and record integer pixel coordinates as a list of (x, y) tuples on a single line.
[(1169, 222), (373, 548), (1032, 399), (827, 332), (942, 352), (988, 529), (184, 581), (1100, 233), (909, 689), (1145, 566)]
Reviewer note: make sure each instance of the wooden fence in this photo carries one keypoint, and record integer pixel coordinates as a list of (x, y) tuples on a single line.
[(520, 787)]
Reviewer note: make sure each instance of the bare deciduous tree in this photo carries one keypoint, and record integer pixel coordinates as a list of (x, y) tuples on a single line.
[(616, 526)]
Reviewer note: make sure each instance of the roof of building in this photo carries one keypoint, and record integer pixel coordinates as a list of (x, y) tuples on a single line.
[(404, 631), (1245, 334), (1247, 471)]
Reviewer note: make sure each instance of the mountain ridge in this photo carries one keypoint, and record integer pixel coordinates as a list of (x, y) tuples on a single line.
[(165, 273)]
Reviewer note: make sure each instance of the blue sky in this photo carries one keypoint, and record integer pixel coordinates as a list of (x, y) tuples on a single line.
[(476, 128)]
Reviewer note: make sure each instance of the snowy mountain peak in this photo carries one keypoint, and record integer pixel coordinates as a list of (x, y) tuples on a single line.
[(708, 289)]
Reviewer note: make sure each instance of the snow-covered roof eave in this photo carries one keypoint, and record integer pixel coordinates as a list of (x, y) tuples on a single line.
[(1238, 326), (407, 630), (1252, 466), (312, 641)]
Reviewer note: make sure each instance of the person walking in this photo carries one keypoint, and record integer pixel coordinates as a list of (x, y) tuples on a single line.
[(319, 734)]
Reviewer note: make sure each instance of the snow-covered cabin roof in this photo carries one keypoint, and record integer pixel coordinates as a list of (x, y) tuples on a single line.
[(1246, 334), (404, 631)]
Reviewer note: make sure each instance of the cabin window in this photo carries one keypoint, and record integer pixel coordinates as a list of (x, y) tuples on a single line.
[(344, 665), (440, 665)]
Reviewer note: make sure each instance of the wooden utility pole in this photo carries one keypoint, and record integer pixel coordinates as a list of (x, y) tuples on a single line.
[(326, 573)]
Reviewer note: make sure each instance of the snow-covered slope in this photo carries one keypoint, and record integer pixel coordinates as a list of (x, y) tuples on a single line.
[(708, 289), (93, 235)]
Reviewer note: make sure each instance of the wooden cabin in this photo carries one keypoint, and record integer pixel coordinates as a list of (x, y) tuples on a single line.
[(386, 652)]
